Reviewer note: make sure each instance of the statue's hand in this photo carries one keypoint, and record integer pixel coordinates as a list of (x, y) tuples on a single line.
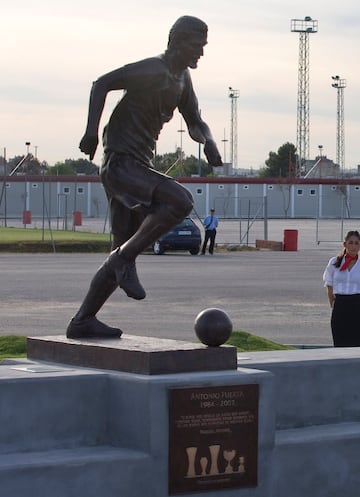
[(212, 154), (88, 145)]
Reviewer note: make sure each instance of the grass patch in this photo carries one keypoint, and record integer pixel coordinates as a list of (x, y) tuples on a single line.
[(35, 240), (15, 346), (15, 235), (12, 346), (246, 342)]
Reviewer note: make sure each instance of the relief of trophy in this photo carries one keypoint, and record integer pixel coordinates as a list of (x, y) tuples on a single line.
[(214, 452), (191, 454)]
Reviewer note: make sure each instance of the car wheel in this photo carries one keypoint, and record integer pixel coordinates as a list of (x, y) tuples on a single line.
[(157, 248), (194, 251)]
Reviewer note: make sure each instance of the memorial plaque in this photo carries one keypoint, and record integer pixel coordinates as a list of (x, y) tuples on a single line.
[(213, 438)]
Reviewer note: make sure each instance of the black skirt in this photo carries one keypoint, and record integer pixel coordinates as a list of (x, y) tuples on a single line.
[(345, 321)]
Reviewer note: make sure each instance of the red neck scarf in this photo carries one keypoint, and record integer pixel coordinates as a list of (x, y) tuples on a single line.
[(348, 260)]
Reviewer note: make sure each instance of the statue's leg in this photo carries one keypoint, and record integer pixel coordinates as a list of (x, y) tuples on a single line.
[(171, 203), (85, 323), (104, 283), (124, 222), (162, 201)]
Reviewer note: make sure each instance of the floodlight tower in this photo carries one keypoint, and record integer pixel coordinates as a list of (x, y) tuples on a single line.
[(304, 27), (340, 85), (233, 95)]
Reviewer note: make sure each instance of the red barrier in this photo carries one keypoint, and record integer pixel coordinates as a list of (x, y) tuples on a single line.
[(77, 218), (290, 240), (26, 217)]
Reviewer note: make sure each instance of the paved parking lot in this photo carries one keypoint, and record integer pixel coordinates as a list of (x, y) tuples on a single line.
[(278, 295)]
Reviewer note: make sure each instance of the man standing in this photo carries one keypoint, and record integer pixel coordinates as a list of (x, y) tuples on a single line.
[(210, 224), (144, 204)]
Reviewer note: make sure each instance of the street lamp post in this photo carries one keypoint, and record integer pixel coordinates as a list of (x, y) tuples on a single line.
[(340, 84), (27, 150), (224, 140), (233, 95), (3, 191), (181, 131), (25, 185)]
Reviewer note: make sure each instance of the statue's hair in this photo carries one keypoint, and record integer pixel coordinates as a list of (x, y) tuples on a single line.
[(185, 26)]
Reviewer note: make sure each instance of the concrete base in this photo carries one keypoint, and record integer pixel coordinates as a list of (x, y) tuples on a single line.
[(134, 354), (317, 410), (71, 431), (82, 471)]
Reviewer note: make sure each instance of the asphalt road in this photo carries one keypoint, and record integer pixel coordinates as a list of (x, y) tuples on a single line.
[(278, 295)]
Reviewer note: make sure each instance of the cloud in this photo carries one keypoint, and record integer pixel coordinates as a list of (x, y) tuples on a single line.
[(51, 52)]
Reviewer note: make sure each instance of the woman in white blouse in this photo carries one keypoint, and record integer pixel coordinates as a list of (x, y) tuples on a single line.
[(342, 279)]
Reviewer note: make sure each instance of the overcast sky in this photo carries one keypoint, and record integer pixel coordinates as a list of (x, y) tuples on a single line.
[(52, 51)]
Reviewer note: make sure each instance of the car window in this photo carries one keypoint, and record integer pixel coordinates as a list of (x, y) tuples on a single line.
[(185, 223)]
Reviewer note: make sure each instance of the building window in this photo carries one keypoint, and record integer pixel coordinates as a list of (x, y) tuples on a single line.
[(66, 190), (81, 190), (312, 192), (199, 191), (300, 191), (220, 187), (34, 185)]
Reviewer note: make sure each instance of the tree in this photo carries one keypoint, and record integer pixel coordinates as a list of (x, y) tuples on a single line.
[(13, 163), (71, 167), (30, 166), (171, 164), (61, 169), (280, 164), (163, 163)]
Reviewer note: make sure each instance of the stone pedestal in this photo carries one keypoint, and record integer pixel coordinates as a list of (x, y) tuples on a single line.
[(133, 354), (77, 430), (70, 429)]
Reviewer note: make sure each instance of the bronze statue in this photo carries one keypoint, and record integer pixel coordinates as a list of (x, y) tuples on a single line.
[(144, 203)]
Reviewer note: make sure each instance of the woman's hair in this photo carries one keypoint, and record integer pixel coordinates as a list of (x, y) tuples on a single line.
[(341, 254)]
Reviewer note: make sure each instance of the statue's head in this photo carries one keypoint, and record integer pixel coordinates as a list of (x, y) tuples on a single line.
[(187, 37)]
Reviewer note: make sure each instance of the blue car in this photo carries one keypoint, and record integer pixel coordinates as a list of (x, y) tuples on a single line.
[(184, 236)]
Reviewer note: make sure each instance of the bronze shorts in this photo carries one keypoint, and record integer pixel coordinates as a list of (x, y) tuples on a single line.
[(130, 181)]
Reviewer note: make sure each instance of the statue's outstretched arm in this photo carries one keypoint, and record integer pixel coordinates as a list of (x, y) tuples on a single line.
[(99, 91), (198, 129)]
